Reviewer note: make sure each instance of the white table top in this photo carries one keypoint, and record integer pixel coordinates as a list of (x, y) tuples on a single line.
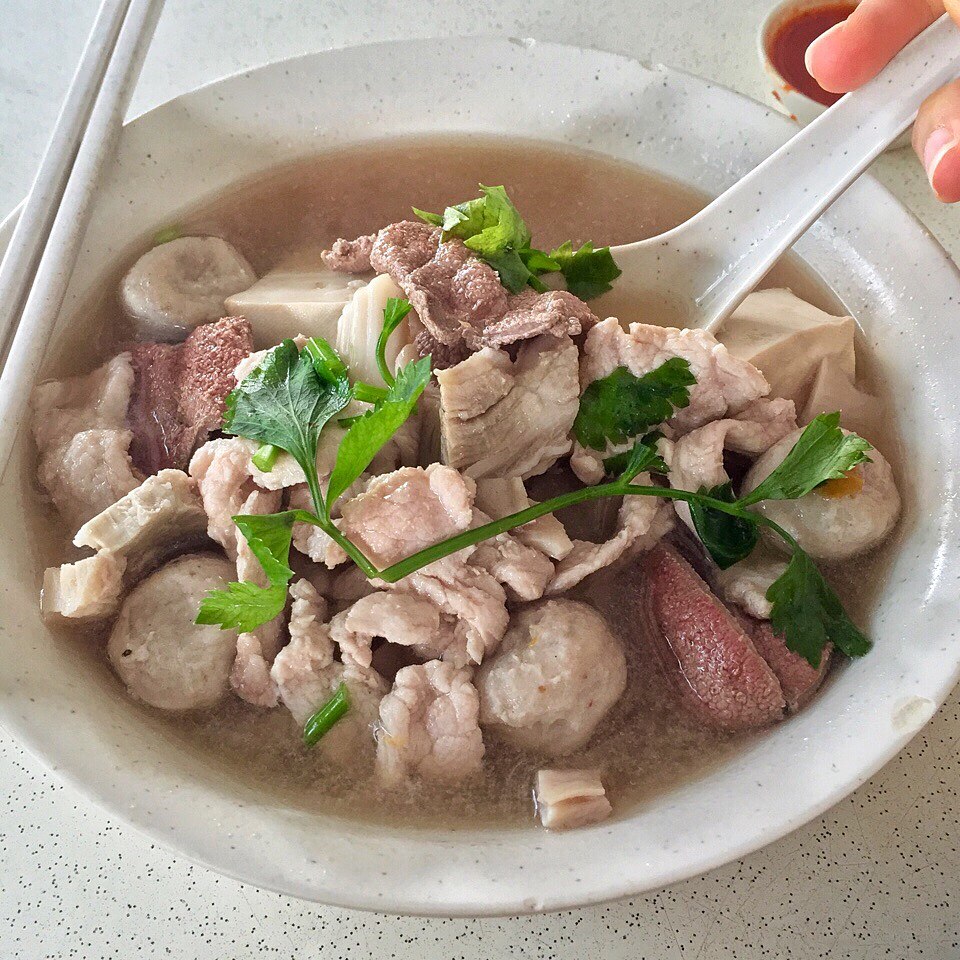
[(877, 876)]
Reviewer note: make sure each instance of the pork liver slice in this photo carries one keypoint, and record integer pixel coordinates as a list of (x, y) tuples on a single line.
[(703, 648)]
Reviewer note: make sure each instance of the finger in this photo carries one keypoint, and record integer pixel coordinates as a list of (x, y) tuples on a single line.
[(849, 54), (936, 138)]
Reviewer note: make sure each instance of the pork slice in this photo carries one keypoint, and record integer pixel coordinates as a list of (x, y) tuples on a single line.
[(725, 385), (307, 676), (702, 648), (798, 680), (500, 496), (746, 583), (350, 256), (404, 619), (523, 570), (180, 391), (429, 725), (503, 418), (641, 522), (96, 401), (400, 248), (407, 510), (470, 596), (530, 314), (88, 473), (567, 799)]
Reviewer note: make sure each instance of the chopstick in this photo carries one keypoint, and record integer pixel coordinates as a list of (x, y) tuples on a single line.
[(36, 217), (53, 220)]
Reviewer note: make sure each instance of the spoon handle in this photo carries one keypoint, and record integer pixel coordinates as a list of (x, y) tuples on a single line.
[(746, 229)]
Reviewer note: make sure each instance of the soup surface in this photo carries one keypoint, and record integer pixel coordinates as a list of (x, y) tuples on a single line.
[(644, 747)]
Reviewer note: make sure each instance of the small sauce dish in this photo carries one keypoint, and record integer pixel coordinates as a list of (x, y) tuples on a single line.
[(784, 35)]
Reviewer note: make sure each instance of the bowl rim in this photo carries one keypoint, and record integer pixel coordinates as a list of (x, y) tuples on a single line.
[(601, 890)]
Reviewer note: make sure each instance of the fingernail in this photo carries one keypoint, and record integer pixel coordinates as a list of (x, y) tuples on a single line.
[(938, 145), (816, 43)]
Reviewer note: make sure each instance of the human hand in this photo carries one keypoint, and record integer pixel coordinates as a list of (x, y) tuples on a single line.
[(852, 52)]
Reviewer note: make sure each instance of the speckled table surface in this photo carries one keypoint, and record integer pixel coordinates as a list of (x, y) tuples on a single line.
[(877, 876)]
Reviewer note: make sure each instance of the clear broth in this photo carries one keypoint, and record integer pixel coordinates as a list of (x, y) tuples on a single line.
[(644, 747)]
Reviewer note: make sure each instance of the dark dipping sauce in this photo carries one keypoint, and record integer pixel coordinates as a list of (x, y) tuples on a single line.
[(788, 41)]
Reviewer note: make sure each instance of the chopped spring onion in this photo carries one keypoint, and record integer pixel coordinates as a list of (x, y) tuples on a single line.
[(266, 457), (320, 724)]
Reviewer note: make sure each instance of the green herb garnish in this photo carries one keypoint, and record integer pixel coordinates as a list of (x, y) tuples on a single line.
[(620, 406), (727, 538), (587, 272), (173, 232), (321, 722), (643, 456), (265, 459), (492, 227), (393, 313)]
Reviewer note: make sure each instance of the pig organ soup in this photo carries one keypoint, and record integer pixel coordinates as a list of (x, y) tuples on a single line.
[(244, 701)]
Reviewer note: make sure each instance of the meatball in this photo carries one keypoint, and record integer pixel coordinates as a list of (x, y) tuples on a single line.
[(556, 674), (839, 519), (163, 657)]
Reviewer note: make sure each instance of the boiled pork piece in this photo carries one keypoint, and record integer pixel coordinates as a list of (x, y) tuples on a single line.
[(161, 517), (428, 725), (725, 385), (402, 619), (510, 418), (746, 583), (86, 590), (407, 510), (80, 428), (307, 675), (163, 657), (180, 391), (221, 469), (498, 497), (459, 298), (696, 459), (567, 799), (701, 648), (641, 522), (89, 473), (557, 673), (524, 571)]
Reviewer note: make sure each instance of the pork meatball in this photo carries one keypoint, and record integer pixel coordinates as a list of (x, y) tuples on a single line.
[(839, 519), (157, 650), (556, 674)]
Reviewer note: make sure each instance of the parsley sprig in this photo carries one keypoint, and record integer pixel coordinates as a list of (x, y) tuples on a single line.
[(492, 227)]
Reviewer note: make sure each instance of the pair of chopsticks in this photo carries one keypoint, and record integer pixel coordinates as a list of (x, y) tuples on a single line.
[(36, 270)]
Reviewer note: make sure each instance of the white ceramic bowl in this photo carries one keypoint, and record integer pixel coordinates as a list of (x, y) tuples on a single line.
[(57, 698)]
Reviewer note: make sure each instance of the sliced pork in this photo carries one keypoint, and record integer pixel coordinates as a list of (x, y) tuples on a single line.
[(510, 418), (725, 385), (429, 725), (557, 673), (80, 428), (306, 676)]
